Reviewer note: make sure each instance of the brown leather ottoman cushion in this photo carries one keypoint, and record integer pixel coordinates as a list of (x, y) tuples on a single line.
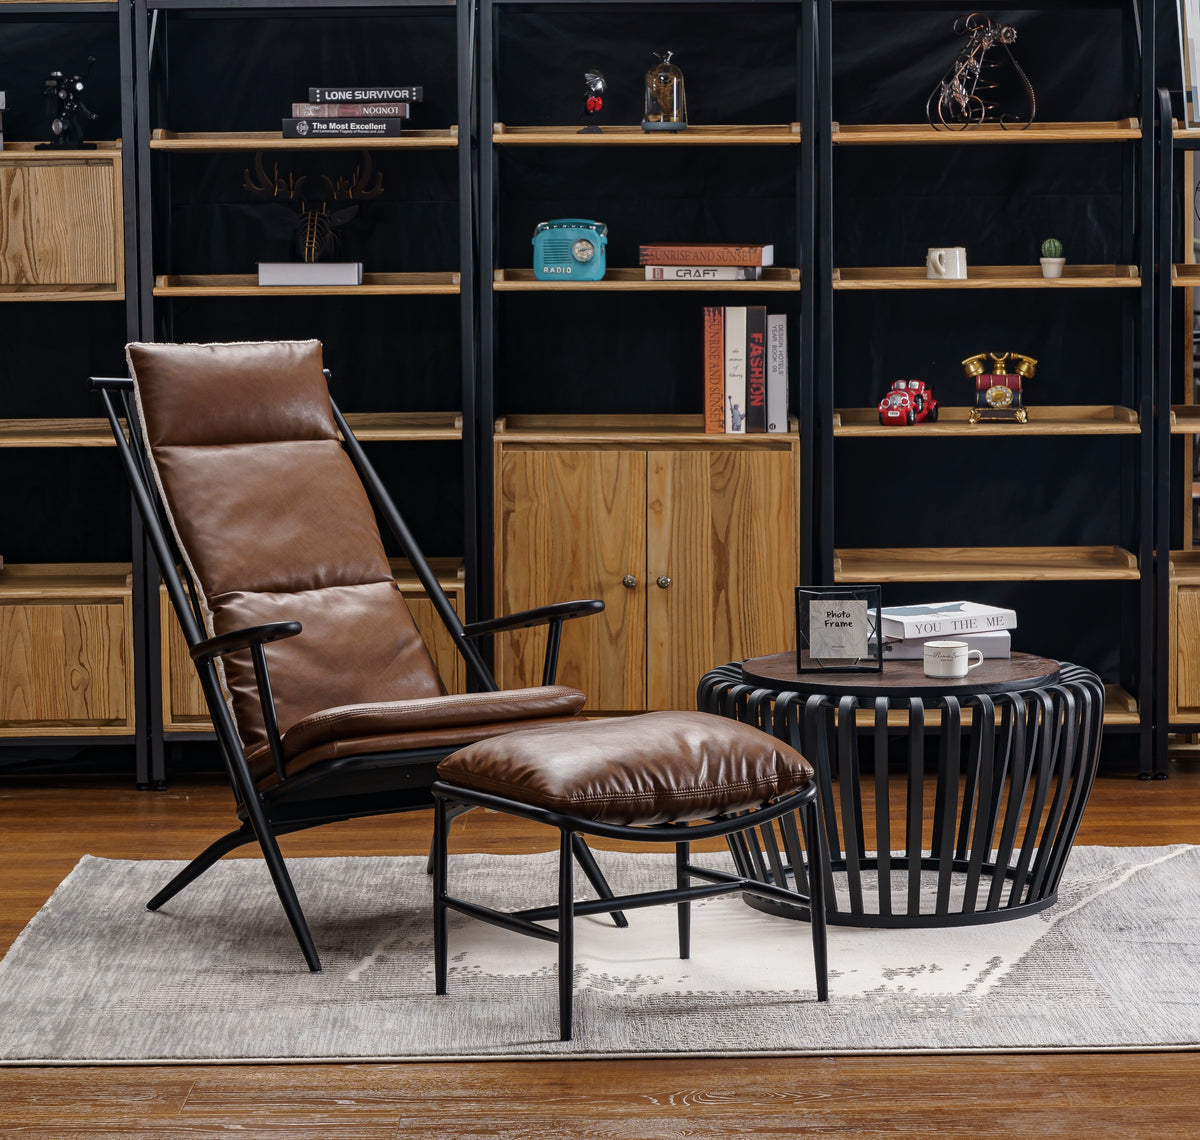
[(648, 769)]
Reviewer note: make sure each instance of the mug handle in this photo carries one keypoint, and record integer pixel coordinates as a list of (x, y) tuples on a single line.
[(974, 653), (937, 258)]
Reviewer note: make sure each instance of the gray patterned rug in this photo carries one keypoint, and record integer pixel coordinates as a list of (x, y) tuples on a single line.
[(216, 976)]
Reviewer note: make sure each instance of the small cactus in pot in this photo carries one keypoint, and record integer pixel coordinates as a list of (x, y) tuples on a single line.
[(1052, 258)]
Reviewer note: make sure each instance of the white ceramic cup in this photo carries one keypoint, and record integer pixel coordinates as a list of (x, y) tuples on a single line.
[(946, 263), (950, 658)]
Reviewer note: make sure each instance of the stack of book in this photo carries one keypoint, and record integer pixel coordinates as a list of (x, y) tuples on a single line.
[(745, 369), (907, 628), (351, 112), (704, 261)]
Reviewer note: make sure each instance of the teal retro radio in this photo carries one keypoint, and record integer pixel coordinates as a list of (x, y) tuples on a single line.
[(569, 249)]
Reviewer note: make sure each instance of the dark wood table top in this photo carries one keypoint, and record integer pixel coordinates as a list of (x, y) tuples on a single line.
[(903, 678)]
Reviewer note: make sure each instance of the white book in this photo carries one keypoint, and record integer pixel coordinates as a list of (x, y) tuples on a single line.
[(310, 273), (777, 373), (703, 272), (944, 619), (998, 643), (735, 368)]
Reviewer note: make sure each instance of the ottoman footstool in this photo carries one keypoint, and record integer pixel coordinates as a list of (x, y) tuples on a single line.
[(670, 777)]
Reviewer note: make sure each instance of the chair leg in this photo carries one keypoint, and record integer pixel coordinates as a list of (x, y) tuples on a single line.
[(566, 933), (683, 908), (815, 842), (589, 866), (202, 862), (441, 825)]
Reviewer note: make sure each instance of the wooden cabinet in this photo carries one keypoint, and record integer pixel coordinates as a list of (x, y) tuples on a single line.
[(1183, 609), (183, 704), (66, 650), (690, 541)]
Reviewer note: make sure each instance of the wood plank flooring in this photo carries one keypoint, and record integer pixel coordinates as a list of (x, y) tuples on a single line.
[(46, 825)]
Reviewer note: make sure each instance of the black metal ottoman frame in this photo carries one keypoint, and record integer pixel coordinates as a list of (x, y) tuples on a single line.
[(803, 802)]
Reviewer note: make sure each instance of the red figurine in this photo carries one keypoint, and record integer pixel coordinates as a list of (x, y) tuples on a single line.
[(595, 85)]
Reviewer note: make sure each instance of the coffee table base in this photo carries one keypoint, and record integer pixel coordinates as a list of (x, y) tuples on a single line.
[(985, 832)]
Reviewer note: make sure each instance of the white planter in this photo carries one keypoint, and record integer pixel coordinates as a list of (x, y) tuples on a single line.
[(1053, 266)]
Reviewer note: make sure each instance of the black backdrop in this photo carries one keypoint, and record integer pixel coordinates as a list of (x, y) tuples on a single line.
[(595, 352)]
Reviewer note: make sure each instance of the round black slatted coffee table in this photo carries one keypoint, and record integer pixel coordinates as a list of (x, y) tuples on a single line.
[(998, 767)]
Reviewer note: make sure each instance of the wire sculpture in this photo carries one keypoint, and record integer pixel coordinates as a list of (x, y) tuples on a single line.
[(965, 95)]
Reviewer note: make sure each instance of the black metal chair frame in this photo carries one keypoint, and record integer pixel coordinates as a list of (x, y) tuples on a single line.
[(803, 802), (370, 784)]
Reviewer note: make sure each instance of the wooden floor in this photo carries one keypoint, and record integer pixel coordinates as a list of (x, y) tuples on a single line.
[(45, 826)]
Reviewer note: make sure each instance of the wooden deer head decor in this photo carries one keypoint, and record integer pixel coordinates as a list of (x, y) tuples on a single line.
[(319, 216)]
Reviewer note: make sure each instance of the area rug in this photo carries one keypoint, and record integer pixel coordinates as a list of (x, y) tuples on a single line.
[(216, 976)]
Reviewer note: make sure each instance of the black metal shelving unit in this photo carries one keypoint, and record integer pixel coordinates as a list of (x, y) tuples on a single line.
[(1132, 620), (166, 281)]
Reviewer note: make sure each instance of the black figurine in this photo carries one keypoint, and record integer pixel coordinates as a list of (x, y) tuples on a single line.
[(64, 106), (595, 86)]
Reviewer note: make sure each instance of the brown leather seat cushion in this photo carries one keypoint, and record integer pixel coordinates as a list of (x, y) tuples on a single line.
[(649, 769), (430, 722)]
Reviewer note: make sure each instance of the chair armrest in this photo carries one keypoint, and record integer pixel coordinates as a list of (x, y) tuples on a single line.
[(243, 639), (541, 615)]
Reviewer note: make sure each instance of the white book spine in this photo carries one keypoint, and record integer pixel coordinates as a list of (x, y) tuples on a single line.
[(777, 373), (735, 368)]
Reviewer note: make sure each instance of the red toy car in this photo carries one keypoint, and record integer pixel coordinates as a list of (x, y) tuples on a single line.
[(908, 402)]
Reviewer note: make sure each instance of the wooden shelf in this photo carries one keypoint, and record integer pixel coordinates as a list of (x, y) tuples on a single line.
[(784, 134), (60, 293), (56, 433), (451, 573), (1119, 708), (772, 281), (985, 564), (1185, 419), (1083, 419), (906, 134), (1184, 566), (246, 285), (1186, 276), (65, 581), (161, 139), (23, 152), (413, 427), (990, 277), (632, 429)]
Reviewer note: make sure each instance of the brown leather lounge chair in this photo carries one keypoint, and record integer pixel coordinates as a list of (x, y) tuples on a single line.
[(324, 699)]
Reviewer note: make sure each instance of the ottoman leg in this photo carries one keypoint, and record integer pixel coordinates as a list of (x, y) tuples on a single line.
[(684, 908), (566, 933)]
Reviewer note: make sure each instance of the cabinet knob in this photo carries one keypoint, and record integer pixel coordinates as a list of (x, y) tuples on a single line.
[(629, 581), (664, 583)]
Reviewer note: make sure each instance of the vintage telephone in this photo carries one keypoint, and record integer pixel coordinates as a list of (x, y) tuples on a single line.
[(998, 392)]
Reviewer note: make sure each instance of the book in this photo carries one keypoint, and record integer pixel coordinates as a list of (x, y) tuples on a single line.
[(341, 128), (756, 368), (706, 253), (350, 110), (310, 273), (777, 373), (735, 368), (365, 94), (703, 272), (714, 368), (997, 643), (944, 619)]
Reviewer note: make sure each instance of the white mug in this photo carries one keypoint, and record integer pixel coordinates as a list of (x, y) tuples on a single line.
[(947, 263), (950, 658)]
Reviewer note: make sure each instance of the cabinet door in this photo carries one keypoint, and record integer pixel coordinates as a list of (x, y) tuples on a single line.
[(572, 524), (722, 527), (1184, 701)]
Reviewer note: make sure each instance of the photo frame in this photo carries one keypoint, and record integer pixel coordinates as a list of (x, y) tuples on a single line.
[(837, 629), (1189, 50)]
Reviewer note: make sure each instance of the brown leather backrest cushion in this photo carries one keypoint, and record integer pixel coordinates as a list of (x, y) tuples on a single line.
[(275, 525)]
